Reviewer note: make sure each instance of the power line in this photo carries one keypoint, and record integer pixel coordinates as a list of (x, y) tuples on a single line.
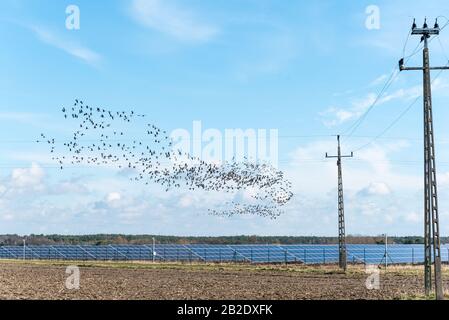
[(388, 83), (395, 73), (359, 121), (397, 119), (229, 138), (409, 107), (396, 163), (443, 49), (409, 33)]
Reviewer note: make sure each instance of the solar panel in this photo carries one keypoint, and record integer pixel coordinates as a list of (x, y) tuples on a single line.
[(308, 254)]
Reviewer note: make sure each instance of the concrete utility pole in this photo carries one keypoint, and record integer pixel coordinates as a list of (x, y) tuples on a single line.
[(342, 259), (431, 219)]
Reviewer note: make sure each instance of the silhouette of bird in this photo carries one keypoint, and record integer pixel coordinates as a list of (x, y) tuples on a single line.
[(157, 162)]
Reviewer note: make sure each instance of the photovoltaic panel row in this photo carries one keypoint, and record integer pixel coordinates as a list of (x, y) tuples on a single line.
[(310, 254)]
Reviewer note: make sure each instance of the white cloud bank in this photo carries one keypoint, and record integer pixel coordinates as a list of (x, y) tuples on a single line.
[(76, 50)]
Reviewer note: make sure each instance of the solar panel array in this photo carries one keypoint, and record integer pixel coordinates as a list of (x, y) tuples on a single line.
[(307, 254)]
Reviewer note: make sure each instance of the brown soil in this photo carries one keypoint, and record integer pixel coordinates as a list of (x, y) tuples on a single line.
[(42, 280)]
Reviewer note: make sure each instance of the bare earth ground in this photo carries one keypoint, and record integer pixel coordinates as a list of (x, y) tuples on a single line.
[(112, 280)]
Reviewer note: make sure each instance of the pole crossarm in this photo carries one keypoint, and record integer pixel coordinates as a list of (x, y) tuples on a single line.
[(425, 32), (422, 69), (336, 157)]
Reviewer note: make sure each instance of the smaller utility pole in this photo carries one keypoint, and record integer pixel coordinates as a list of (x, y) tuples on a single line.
[(342, 256)]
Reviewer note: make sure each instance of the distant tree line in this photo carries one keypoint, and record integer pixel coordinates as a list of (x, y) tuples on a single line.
[(105, 239)]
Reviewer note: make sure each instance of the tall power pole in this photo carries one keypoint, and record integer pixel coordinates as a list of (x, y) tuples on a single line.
[(342, 260), (431, 219)]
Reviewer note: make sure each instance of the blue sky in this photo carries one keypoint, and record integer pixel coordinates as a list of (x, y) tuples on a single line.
[(308, 69)]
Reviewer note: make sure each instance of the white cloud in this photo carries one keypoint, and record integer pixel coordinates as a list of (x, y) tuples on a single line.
[(33, 182), (27, 177), (379, 80), (334, 116), (186, 201), (389, 219), (440, 85), (376, 189), (114, 204), (68, 186), (413, 217), (72, 48), (24, 117), (7, 217), (167, 17), (443, 178), (113, 197), (379, 196), (410, 93), (357, 106)]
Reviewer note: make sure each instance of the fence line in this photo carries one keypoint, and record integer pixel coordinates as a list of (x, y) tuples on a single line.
[(307, 254)]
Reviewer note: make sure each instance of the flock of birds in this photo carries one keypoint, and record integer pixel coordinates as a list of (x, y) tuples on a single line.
[(102, 138)]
